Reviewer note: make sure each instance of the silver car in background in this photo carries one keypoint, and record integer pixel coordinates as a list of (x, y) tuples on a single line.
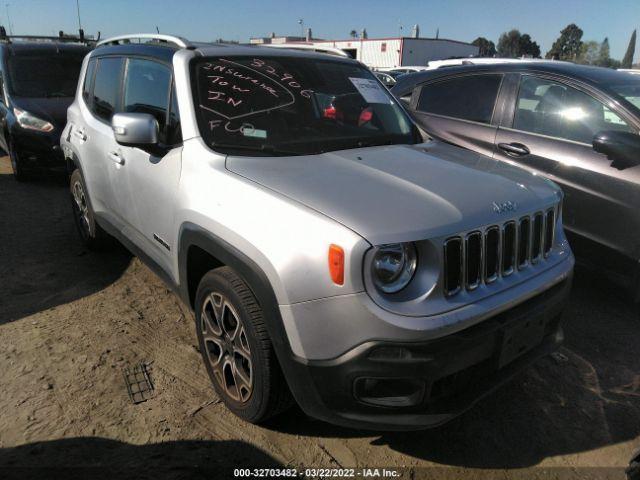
[(330, 256)]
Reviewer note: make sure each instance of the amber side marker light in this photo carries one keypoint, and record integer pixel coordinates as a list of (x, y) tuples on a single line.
[(336, 264)]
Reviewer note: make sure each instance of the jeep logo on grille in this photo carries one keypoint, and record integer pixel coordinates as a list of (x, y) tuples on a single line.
[(503, 207)]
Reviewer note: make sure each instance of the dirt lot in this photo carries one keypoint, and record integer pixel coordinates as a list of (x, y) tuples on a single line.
[(70, 320)]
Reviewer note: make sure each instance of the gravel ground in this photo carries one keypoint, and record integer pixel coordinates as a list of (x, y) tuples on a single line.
[(71, 320)]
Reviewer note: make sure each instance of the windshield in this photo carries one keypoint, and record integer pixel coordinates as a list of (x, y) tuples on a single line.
[(38, 76), (630, 90), (294, 106)]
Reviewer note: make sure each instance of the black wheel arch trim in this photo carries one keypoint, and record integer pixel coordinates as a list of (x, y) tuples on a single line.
[(295, 372)]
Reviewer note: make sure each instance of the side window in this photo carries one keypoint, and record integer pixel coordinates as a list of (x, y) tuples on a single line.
[(146, 90), (468, 98), (174, 130), (106, 90), (557, 110), (88, 82)]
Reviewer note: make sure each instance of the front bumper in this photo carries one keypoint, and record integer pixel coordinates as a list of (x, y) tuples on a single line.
[(39, 150), (408, 385)]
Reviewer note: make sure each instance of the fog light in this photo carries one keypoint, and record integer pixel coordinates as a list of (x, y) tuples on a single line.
[(389, 392)]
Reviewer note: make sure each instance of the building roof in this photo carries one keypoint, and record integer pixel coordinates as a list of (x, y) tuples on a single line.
[(384, 39)]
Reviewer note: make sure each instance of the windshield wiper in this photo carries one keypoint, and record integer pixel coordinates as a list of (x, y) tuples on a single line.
[(265, 148), (57, 95)]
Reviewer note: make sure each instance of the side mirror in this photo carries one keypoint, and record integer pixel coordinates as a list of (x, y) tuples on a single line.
[(135, 129), (622, 148)]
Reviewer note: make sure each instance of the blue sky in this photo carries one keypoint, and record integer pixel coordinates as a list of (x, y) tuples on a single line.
[(240, 19)]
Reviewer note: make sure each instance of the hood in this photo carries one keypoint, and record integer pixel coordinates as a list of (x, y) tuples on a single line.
[(402, 192), (52, 110)]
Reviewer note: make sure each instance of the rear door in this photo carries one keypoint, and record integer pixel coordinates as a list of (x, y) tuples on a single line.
[(460, 110), (93, 138), (550, 132)]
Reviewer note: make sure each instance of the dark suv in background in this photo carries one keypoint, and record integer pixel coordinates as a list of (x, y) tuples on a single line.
[(574, 124), (37, 84)]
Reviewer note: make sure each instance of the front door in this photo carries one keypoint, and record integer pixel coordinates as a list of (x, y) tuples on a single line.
[(551, 134), (151, 177)]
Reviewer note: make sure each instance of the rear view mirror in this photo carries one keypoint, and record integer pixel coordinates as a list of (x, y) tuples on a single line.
[(135, 129), (622, 148)]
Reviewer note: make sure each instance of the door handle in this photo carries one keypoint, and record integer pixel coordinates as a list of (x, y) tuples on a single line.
[(514, 149), (80, 134), (116, 157)]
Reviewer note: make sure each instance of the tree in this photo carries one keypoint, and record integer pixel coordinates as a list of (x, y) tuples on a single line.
[(627, 60), (589, 53), (513, 44), (509, 44), (486, 47), (604, 58), (528, 47), (568, 44), (353, 34)]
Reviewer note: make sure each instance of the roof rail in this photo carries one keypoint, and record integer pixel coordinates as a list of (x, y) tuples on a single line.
[(179, 41), (62, 37), (306, 46)]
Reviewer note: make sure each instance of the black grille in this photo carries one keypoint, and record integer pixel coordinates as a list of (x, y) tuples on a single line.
[(549, 230), (473, 249), (492, 253), (453, 262), (508, 248), (536, 242), (524, 240), (485, 256)]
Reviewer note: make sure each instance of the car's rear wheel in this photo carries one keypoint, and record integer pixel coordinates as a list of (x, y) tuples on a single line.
[(92, 235), (236, 348)]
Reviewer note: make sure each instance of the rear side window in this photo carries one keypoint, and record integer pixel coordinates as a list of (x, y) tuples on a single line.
[(106, 90), (468, 98), (88, 81), (146, 90)]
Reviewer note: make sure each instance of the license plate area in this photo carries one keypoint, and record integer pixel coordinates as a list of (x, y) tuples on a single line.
[(521, 337)]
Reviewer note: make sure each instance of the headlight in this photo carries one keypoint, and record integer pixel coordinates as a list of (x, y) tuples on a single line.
[(394, 266), (31, 122)]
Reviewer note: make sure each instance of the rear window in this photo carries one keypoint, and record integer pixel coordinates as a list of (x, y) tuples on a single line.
[(88, 81), (468, 98), (44, 75), (294, 106)]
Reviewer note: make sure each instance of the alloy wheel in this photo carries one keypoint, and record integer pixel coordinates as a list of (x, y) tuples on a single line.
[(81, 207), (227, 347)]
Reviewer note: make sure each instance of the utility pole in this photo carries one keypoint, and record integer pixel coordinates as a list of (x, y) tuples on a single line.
[(301, 22), (9, 19), (78, 10)]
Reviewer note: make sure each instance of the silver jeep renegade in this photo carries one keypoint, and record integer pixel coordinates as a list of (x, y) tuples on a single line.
[(331, 256)]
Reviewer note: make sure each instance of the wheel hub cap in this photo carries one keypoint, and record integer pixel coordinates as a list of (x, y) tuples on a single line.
[(226, 347)]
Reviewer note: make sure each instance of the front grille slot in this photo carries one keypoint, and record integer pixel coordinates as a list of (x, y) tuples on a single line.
[(491, 254), (453, 266), (524, 240), (473, 256), (508, 248), (536, 241), (549, 230)]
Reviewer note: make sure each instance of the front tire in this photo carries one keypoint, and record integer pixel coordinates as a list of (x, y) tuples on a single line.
[(92, 235), (236, 348), (17, 165)]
